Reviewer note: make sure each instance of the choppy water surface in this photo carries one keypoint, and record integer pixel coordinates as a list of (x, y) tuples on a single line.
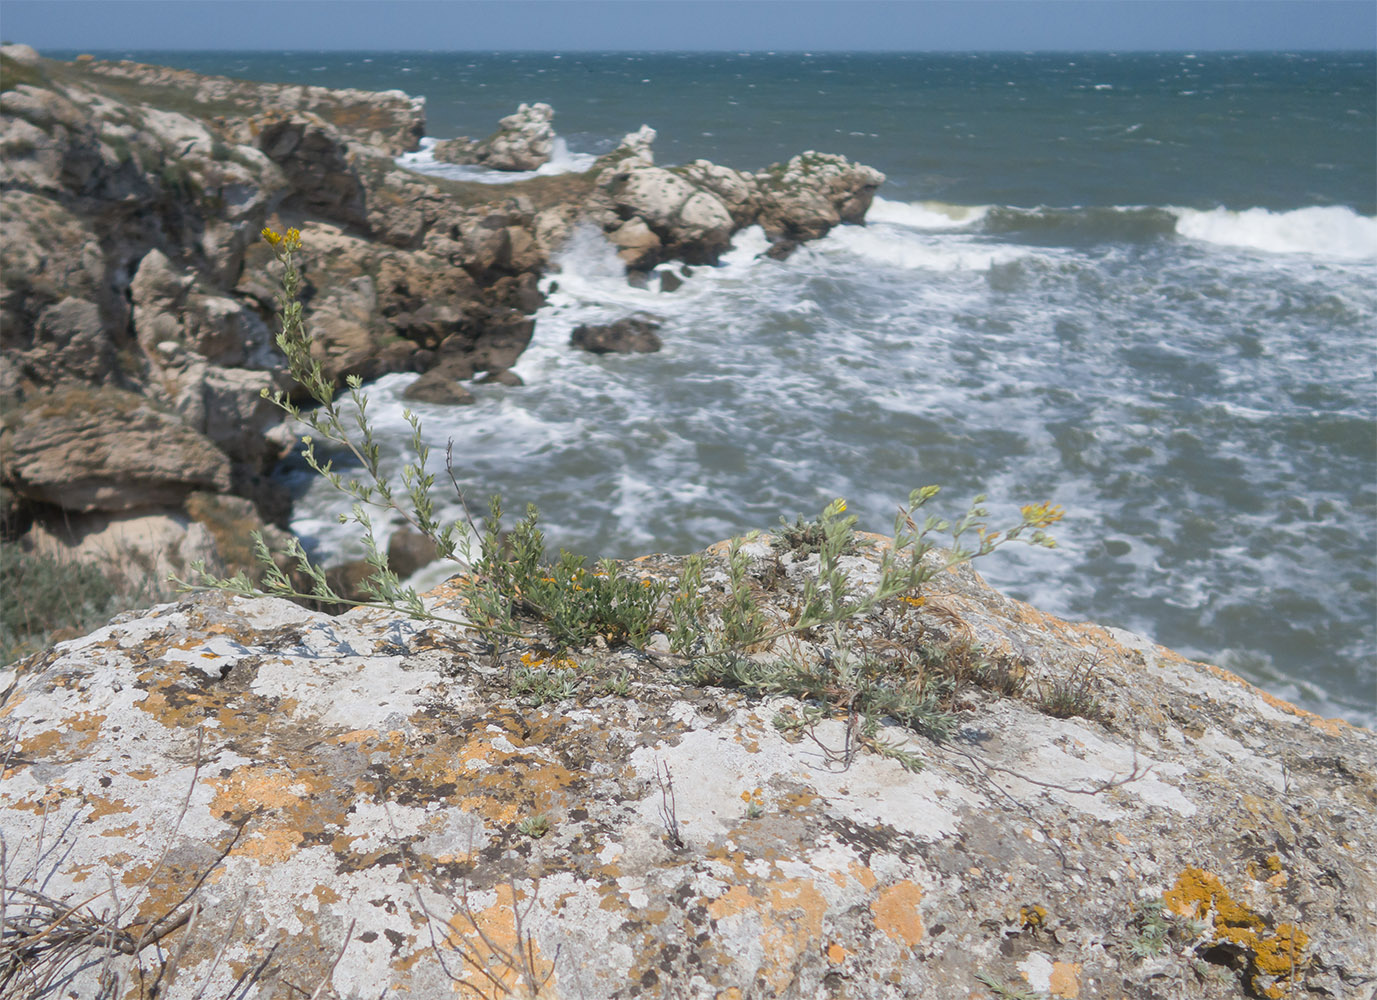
[(1143, 287)]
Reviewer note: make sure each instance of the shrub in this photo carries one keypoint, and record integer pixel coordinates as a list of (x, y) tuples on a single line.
[(512, 592), (48, 599)]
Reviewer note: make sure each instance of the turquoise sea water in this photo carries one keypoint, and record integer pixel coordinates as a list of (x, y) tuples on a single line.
[(1141, 286)]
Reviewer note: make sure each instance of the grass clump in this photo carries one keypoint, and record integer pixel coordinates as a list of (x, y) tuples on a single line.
[(49, 599)]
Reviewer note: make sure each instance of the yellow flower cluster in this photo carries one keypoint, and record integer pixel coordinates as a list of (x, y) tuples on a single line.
[(1040, 515), (282, 242)]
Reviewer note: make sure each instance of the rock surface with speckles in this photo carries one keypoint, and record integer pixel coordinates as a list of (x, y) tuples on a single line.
[(365, 790)]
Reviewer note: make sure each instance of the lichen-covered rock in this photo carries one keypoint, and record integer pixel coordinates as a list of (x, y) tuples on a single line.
[(369, 803)]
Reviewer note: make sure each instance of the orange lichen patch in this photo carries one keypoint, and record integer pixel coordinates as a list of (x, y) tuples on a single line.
[(863, 875), (491, 808), (730, 993), (123, 831), (77, 734), (790, 912), (1065, 980), (895, 910), (356, 736), (107, 807), (79, 873), (268, 846), (836, 954), (250, 788), (496, 961), (1198, 895), (325, 894), (1121, 838)]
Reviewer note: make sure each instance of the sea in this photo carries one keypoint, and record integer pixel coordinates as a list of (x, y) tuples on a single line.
[(1140, 286)]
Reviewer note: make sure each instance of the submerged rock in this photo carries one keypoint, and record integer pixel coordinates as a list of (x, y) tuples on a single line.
[(370, 803), (626, 336)]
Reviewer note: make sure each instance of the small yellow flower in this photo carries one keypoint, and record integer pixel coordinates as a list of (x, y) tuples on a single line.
[(1040, 515), (273, 238)]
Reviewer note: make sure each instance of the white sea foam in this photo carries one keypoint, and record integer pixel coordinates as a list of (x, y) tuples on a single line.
[(1333, 231), (925, 214), (562, 161), (911, 251)]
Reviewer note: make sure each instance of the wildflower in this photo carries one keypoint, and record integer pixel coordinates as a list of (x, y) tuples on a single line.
[(273, 238), (1040, 515)]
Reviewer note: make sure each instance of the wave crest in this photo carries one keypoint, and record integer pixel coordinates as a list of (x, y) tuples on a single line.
[(1333, 231)]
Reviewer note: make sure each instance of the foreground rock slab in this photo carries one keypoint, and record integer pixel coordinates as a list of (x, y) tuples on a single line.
[(372, 807)]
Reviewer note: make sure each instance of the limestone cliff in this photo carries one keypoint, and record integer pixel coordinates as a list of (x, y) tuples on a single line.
[(371, 807)]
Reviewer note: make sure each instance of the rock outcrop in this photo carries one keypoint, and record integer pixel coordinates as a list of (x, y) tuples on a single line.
[(133, 196), (523, 141), (689, 213), (370, 804)]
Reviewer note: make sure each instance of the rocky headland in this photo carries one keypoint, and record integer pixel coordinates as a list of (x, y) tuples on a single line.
[(137, 318)]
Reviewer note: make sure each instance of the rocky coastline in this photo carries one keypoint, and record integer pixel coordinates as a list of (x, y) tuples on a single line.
[(225, 796), (138, 302)]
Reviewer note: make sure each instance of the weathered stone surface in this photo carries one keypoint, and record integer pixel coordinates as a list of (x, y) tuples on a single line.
[(315, 158), (370, 774), (105, 449), (631, 335)]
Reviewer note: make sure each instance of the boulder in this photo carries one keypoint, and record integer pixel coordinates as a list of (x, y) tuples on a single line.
[(632, 335), (105, 449), (317, 163), (441, 385), (408, 550), (461, 150), (172, 304), (143, 547), (72, 337), (523, 141), (736, 190), (48, 253), (687, 222), (501, 376), (366, 802), (806, 197)]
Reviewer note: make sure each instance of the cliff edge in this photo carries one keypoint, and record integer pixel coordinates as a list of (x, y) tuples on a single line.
[(372, 806)]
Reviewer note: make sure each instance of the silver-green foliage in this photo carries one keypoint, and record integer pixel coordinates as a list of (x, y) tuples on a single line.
[(509, 588)]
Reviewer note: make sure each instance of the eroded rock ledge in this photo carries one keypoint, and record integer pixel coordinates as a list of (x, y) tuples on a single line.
[(133, 196), (1198, 839)]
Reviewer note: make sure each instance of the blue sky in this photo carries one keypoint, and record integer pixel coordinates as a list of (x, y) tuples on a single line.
[(781, 25)]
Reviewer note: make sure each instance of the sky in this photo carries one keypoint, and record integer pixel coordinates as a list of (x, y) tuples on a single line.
[(692, 25)]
